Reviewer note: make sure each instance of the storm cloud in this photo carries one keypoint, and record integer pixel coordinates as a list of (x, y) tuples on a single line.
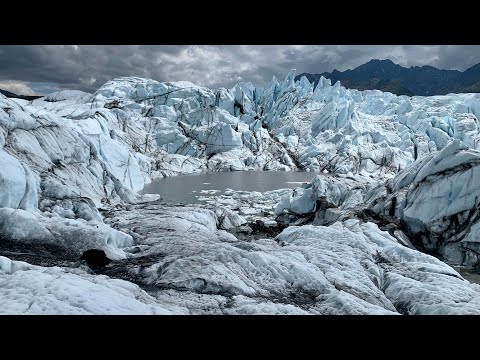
[(46, 68)]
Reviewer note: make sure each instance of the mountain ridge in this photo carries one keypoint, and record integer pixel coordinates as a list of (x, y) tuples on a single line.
[(385, 75), (10, 94)]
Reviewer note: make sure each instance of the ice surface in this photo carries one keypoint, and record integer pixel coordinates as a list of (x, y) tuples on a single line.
[(437, 197), (347, 268), (70, 159), (28, 289)]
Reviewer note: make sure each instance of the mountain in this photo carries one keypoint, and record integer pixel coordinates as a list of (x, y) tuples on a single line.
[(401, 187), (385, 75), (15, 96)]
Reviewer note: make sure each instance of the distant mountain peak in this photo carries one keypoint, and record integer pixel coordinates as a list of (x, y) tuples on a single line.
[(10, 94), (475, 67), (385, 75), (381, 61)]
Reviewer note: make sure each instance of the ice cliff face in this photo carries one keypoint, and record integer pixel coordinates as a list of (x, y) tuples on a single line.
[(408, 160), (438, 197)]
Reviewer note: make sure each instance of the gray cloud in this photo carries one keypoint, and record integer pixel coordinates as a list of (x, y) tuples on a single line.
[(87, 67), (17, 87)]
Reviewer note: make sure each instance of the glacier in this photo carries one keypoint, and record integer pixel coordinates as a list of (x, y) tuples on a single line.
[(393, 182)]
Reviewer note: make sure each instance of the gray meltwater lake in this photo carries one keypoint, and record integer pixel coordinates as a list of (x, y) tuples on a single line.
[(187, 189)]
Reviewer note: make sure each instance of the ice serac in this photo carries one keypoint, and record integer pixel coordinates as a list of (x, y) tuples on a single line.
[(18, 186), (328, 198), (220, 138), (438, 198), (283, 126)]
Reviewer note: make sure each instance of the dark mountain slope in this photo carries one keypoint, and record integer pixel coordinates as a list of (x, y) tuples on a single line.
[(385, 75), (13, 95)]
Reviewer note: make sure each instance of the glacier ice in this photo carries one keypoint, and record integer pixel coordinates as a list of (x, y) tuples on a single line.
[(72, 161), (70, 292), (349, 267)]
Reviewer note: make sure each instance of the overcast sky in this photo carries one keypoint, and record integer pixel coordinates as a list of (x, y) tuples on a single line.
[(41, 69)]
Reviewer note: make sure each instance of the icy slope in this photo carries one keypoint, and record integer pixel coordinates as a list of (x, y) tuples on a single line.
[(192, 267), (435, 200), (369, 132), (438, 198), (347, 268), (70, 292)]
